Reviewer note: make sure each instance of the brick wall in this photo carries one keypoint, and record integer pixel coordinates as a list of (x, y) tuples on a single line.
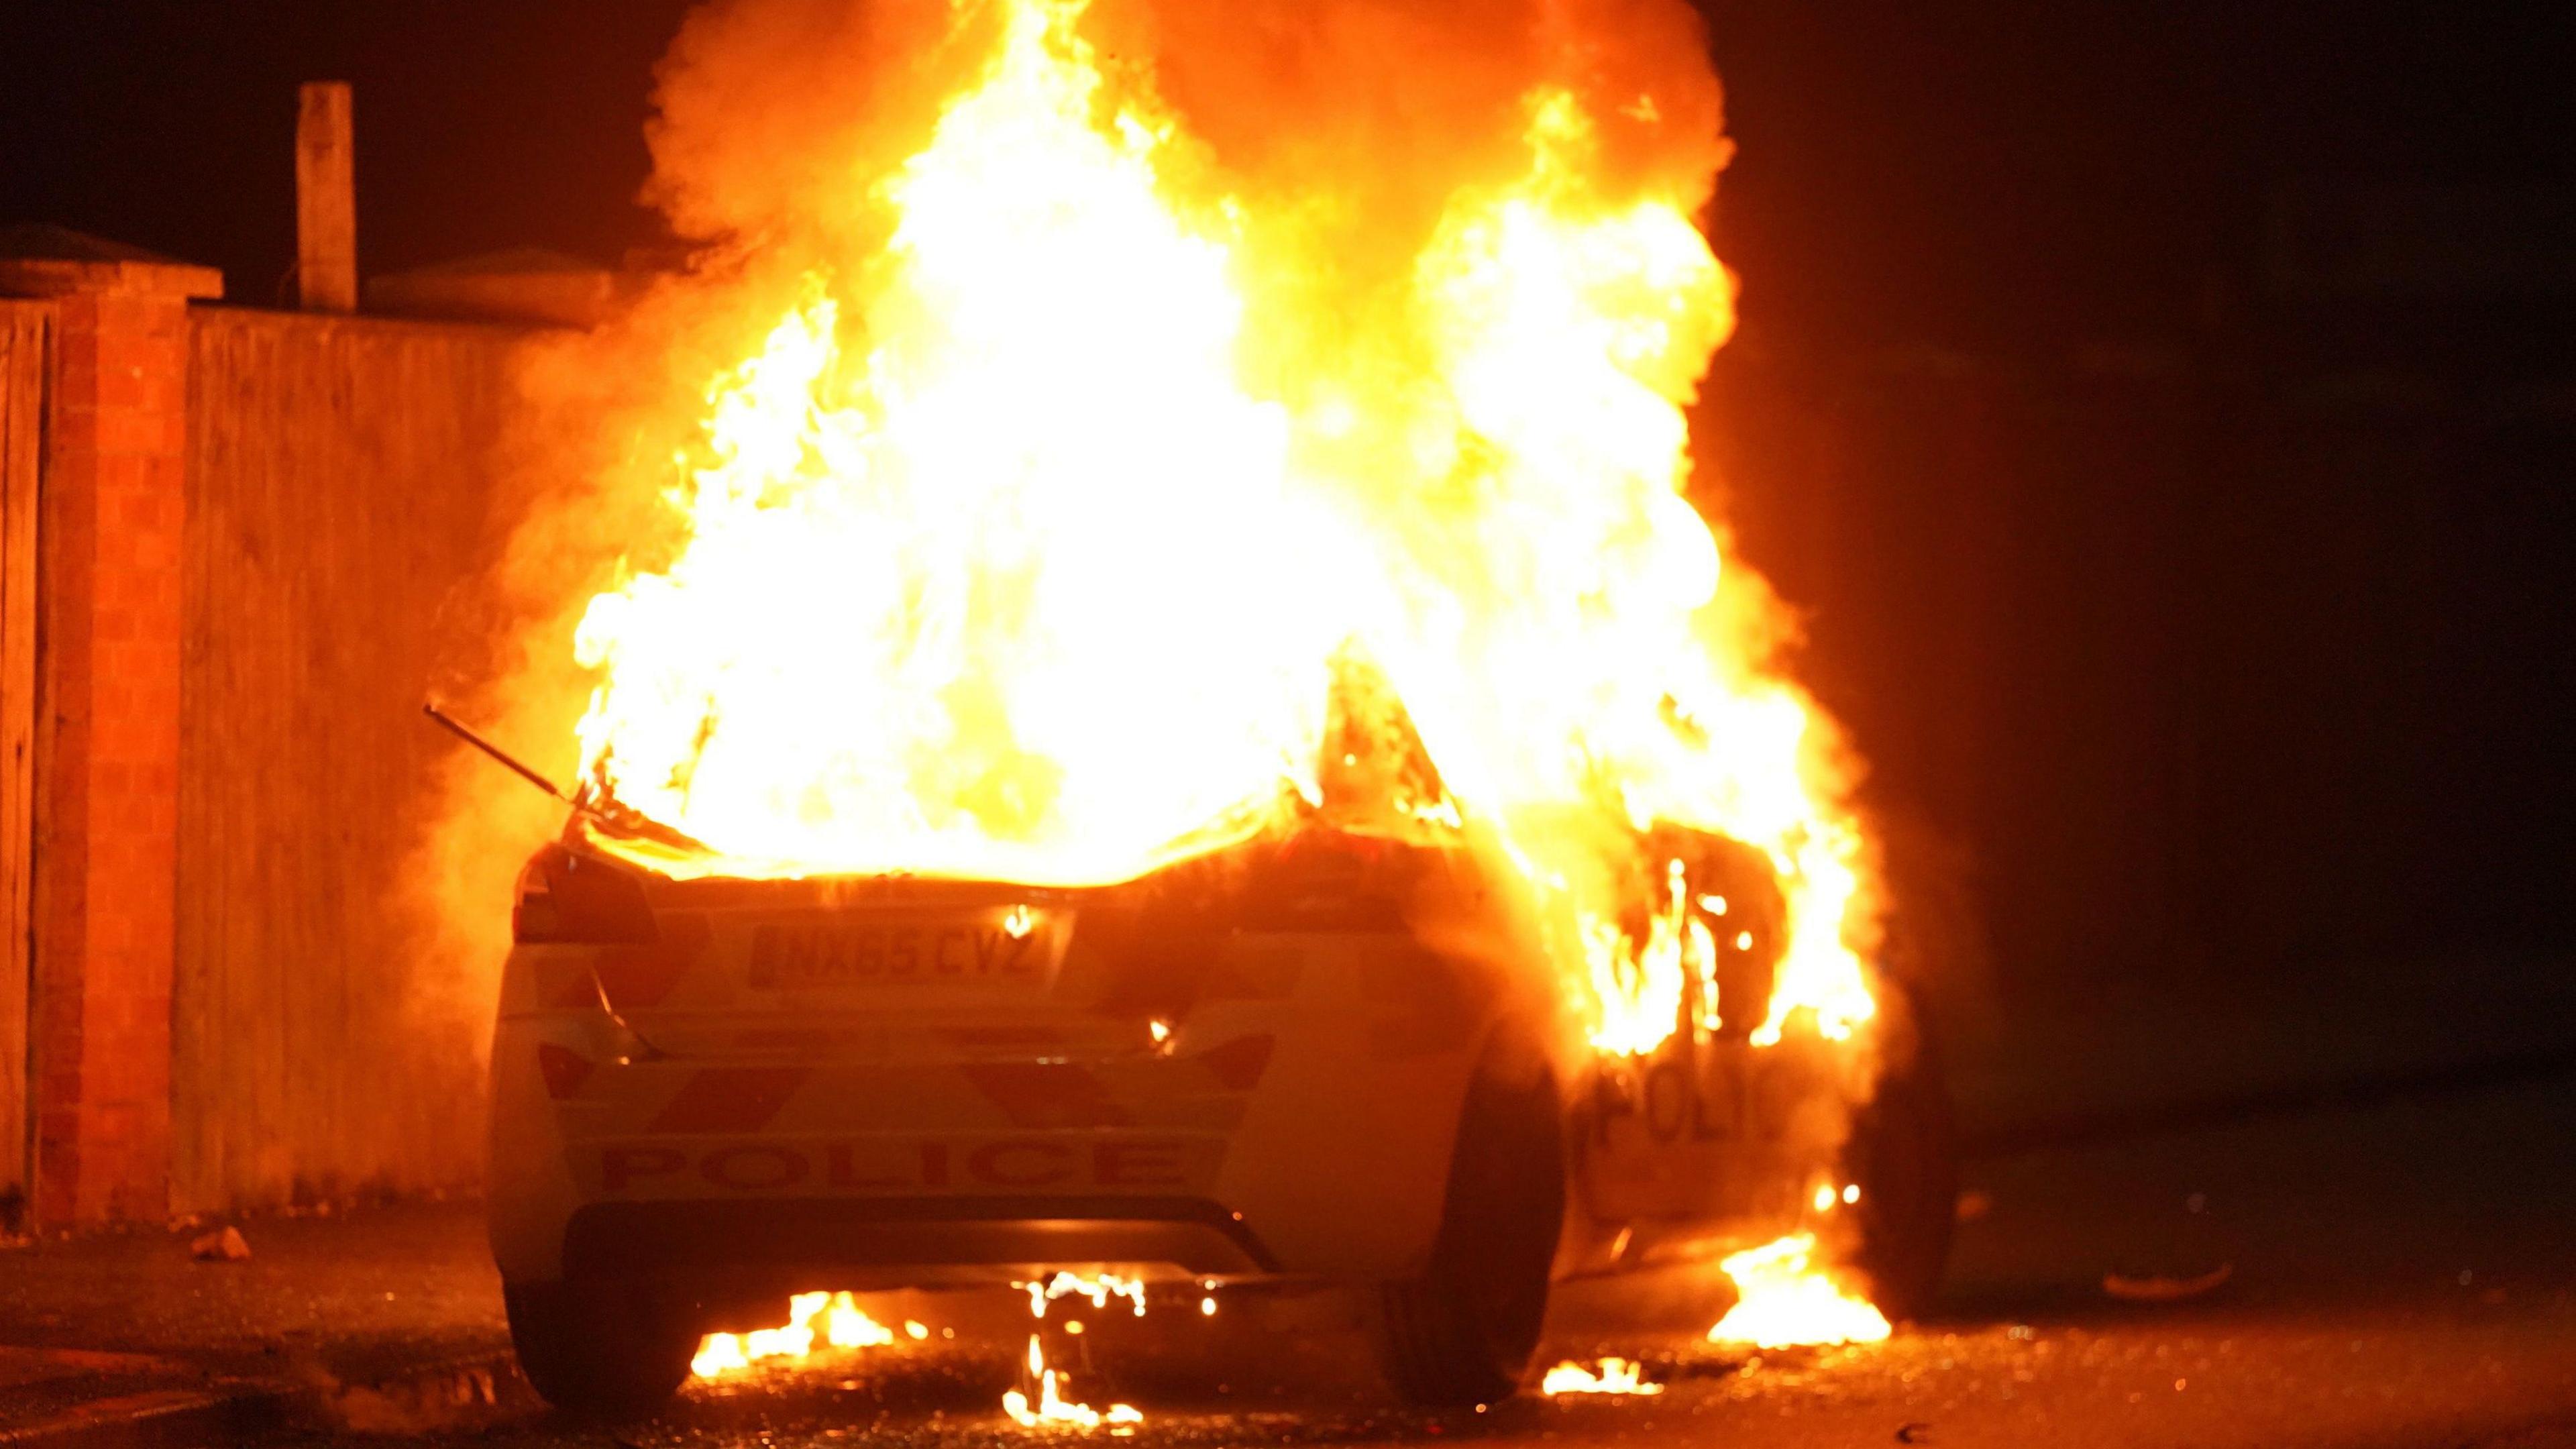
[(107, 740)]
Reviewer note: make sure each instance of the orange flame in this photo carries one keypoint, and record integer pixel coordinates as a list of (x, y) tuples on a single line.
[(1050, 1409)]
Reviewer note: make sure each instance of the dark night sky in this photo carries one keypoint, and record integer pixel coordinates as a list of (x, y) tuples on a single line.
[(1949, 172), (480, 125)]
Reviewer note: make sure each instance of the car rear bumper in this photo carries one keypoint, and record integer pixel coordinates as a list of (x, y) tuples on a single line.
[(1294, 1138), (921, 1242)]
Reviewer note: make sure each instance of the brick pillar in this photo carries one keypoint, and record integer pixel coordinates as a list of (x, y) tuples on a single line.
[(107, 755)]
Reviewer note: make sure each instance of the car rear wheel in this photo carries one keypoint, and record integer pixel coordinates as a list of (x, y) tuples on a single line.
[(1901, 1155), (1463, 1331), (598, 1348)]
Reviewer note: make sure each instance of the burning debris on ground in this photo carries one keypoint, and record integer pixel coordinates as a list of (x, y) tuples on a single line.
[(843, 1326), (1784, 1301), (1617, 1376)]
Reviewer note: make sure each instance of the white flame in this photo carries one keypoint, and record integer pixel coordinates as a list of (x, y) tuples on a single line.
[(1614, 1376), (1784, 1301), (843, 1326)]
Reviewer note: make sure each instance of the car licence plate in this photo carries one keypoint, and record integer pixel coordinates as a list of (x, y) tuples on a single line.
[(1015, 947)]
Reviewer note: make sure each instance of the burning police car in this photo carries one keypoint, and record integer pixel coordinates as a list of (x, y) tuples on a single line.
[(1226, 747), (1318, 1056)]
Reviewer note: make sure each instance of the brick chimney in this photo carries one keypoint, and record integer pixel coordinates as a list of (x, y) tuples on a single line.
[(326, 200)]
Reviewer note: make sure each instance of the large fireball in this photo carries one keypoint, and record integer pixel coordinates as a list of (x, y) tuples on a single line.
[(1108, 423)]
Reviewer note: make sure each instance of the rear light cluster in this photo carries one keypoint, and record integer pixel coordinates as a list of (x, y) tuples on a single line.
[(566, 897), (563, 1069)]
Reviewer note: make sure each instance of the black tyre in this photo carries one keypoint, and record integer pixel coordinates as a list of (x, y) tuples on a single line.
[(1902, 1155), (597, 1349), (1463, 1332)]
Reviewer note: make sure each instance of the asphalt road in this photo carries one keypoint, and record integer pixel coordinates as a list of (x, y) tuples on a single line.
[(2402, 1275)]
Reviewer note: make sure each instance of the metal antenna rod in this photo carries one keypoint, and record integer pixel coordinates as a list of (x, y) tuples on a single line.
[(448, 723), (616, 817)]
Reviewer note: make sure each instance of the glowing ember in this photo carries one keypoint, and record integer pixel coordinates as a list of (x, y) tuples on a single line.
[(1783, 1301), (1025, 542), (1614, 1376), (1827, 1197), (842, 1326)]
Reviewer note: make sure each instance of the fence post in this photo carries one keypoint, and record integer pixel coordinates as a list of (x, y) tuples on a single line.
[(107, 737)]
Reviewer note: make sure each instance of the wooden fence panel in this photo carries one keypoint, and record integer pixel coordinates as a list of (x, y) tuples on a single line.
[(339, 477), (25, 329)]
